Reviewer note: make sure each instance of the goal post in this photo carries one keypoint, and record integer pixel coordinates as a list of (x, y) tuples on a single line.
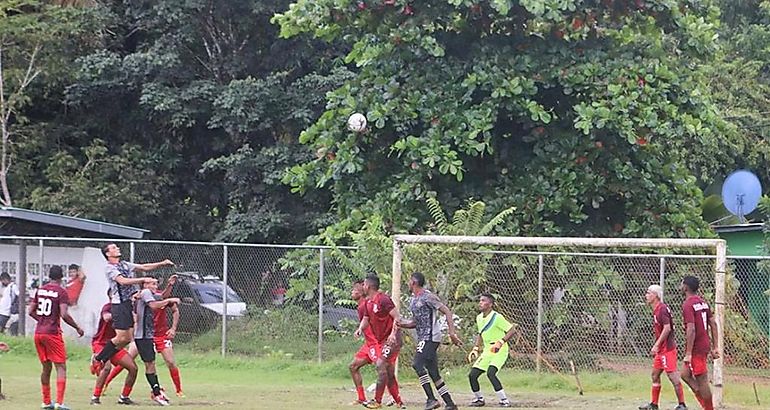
[(619, 267)]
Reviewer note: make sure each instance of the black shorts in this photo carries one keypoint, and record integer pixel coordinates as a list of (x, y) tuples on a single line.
[(426, 354), (122, 315), (146, 348)]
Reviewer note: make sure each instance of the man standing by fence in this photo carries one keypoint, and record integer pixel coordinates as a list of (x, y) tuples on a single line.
[(697, 321)]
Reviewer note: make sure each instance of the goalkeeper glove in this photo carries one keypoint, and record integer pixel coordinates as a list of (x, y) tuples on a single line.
[(497, 346), (473, 355)]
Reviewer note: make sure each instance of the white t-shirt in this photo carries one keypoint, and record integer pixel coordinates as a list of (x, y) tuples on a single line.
[(9, 293)]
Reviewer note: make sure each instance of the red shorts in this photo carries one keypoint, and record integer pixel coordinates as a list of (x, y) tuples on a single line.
[(665, 361), (50, 348), (386, 351), (367, 352), (161, 343), (698, 365), (97, 347)]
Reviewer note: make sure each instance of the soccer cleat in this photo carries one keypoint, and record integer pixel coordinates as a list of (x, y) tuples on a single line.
[(680, 407), (477, 402), (180, 394), (371, 404), (651, 406), (358, 403), (125, 400), (95, 401), (61, 407), (49, 406), (432, 404), (161, 400), (504, 403), (450, 406)]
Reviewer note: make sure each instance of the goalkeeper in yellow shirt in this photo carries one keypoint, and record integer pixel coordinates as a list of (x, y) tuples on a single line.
[(490, 350)]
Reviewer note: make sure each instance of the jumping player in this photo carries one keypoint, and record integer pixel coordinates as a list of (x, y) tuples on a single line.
[(48, 306), (490, 350), (123, 286), (104, 334), (381, 315), (697, 320), (663, 349), (425, 307)]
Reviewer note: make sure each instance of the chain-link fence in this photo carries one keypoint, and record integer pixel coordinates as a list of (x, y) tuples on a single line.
[(586, 306), (269, 294)]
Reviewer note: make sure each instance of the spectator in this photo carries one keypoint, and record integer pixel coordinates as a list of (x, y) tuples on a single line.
[(76, 280), (9, 305)]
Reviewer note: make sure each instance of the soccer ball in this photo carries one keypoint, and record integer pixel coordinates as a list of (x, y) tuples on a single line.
[(357, 122)]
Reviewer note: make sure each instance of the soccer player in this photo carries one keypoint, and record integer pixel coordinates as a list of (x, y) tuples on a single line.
[(663, 349), (366, 354), (425, 307), (494, 332), (697, 320), (104, 334), (144, 335), (381, 315), (49, 305), (123, 286), (164, 336)]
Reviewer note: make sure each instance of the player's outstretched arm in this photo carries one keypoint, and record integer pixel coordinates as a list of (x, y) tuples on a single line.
[(124, 281), (169, 287), (65, 315), (160, 304), (450, 323), (146, 267)]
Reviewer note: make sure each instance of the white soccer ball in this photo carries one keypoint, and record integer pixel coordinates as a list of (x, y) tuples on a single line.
[(357, 122)]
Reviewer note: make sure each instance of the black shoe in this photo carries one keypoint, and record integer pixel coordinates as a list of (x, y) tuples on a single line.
[(681, 407), (432, 404), (450, 406), (650, 406), (477, 402), (95, 401), (126, 400)]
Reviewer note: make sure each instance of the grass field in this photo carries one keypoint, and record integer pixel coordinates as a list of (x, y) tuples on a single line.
[(276, 382)]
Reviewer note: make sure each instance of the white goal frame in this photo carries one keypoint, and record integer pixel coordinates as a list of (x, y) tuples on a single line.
[(719, 246)]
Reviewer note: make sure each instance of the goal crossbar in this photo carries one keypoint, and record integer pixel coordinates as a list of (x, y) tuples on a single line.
[(718, 245)]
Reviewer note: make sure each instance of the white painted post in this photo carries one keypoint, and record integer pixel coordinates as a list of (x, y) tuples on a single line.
[(719, 307), (320, 305), (662, 279), (395, 290), (224, 300), (41, 272), (540, 272)]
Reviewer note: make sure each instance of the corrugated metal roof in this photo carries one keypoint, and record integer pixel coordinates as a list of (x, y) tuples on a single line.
[(81, 224)]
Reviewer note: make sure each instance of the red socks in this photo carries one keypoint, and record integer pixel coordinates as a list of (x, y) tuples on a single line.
[(393, 390), (361, 394), (61, 385), (127, 391), (175, 377), (46, 389), (655, 393)]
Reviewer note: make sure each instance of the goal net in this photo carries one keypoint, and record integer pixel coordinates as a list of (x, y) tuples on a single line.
[(577, 301)]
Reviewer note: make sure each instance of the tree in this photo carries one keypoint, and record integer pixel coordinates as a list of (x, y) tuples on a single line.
[(587, 116)]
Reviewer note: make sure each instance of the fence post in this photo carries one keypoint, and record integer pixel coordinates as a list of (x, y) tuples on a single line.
[(132, 252), (540, 272), (41, 271), (320, 305), (395, 290), (224, 300), (21, 282), (719, 307), (662, 279)]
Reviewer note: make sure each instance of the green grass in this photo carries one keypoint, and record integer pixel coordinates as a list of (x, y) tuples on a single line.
[(274, 381)]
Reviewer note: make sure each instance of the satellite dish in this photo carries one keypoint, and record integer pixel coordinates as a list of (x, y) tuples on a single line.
[(741, 192)]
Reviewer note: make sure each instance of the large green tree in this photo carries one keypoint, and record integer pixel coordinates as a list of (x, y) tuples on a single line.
[(590, 117)]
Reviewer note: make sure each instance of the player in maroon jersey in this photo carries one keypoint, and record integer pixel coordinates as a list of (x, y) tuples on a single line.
[(367, 353), (381, 315), (663, 349), (104, 334), (697, 321), (164, 335), (49, 306)]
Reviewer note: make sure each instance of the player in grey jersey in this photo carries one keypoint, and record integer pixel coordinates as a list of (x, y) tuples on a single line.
[(425, 307)]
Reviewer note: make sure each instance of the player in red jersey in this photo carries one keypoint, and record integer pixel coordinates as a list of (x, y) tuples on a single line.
[(663, 350), (381, 315), (697, 321), (104, 334), (367, 353), (164, 335), (49, 306)]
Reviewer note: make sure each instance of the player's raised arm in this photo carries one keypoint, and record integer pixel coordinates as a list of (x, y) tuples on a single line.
[(450, 323), (169, 287), (67, 318), (171, 332), (146, 267)]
